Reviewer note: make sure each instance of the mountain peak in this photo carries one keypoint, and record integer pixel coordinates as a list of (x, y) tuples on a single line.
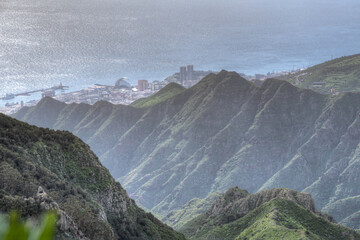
[(271, 214), (50, 101), (224, 80), (167, 92), (235, 193), (170, 87), (236, 198)]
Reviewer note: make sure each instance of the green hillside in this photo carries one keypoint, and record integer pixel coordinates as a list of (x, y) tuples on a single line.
[(223, 132), (341, 74), (190, 210), (170, 90), (45, 170), (274, 214)]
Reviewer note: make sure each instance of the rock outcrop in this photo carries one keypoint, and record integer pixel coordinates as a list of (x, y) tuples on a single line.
[(65, 223)]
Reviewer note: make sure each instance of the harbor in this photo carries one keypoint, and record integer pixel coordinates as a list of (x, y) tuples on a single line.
[(10, 96), (12, 102)]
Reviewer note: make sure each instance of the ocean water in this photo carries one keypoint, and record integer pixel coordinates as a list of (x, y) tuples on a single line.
[(80, 42)]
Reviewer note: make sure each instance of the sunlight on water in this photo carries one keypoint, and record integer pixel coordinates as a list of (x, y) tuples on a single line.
[(80, 43)]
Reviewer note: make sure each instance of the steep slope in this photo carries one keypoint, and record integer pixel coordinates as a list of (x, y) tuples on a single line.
[(271, 214), (222, 132), (170, 90), (346, 209), (190, 210), (342, 74), (42, 169)]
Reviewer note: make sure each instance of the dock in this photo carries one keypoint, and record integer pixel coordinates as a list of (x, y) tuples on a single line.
[(9, 96)]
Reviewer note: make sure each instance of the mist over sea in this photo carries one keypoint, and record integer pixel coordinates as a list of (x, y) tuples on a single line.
[(80, 42)]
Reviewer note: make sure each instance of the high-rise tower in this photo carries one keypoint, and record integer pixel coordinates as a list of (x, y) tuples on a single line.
[(190, 72), (182, 75), (143, 85)]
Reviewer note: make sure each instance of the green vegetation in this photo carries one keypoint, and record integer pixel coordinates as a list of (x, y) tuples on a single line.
[(190, 210), (222, 132), (13, 228), (341, 74), (280, 217), (169, 91), (43, 169)]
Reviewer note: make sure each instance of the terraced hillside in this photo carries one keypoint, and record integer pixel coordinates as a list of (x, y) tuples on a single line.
[(224, 132), (44, 170)]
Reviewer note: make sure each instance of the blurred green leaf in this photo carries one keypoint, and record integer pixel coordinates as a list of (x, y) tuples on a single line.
[(17, 229), (3, 227), (47, 229)]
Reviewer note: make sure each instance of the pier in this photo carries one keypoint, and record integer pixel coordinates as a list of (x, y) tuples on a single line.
[(9, 96)]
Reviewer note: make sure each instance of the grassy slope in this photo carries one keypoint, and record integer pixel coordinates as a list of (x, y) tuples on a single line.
[(170, 90), (276, 219), (72, 175), (190, 210), (343, 74)]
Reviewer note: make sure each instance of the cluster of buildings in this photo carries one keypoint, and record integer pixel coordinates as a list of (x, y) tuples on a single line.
[(145, 85), (187, 77), (97, 93), (120, 93)]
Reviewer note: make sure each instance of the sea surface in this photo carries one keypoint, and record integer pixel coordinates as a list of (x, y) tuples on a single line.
[(82, 42)]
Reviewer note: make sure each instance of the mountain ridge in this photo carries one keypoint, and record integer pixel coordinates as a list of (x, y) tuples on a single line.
[(269, 214), (222, 132), (169, 91)]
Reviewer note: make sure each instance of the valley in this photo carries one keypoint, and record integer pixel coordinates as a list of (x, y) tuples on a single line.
[(223, 132)]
